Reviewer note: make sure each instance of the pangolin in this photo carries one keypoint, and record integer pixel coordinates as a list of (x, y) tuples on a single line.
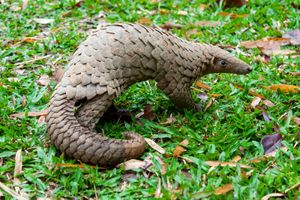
[(111, 59)]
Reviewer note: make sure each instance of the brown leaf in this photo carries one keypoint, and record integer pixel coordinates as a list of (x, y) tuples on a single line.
[(134, 164), (169, 120), (205, 23), (178, 151), (294, 73), (158, 193), (231, 164), (294, 36), (232, 16), (255, 102), (18, 166), (271, 142), (268, 155), (24, 5), (24, 101), (31, 114), (155, 146), (210, 102), (202, 7), (266, 43), (236, 159), (284, 88), (233, 3), (146, 114), (224, 189), (163, 11), (44, 80), (184, 142), (182, 12), (145, 21), (169, 25), (297, 120), (273, 195), (43, 20), (268, 103), (283, 52), (202, 85)]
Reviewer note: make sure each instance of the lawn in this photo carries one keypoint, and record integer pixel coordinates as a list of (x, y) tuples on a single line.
[(217, 153)]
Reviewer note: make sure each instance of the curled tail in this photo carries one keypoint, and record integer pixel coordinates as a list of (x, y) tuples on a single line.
[(82, 144)]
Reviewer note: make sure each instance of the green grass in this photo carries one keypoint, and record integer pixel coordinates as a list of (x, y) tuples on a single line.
[(228, 128)]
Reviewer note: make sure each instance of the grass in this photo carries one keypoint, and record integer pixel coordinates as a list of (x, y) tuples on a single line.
[(228, 128)]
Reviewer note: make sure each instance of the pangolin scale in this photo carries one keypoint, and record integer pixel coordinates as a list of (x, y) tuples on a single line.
[(111, 59)]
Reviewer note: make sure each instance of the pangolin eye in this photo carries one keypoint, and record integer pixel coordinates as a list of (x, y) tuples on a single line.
[(223, 63)]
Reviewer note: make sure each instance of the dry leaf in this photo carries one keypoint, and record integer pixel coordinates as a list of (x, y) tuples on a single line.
[(231, 164), (182, 12), (268, 103), (24, 101), (255, 102), (202, 85), (271, 142), (44, 80), (43, 20), (31, 114), (184, 142), (272, 195), (284, 88), (232, 16), (12, 192), (268, 155), (145, 21), (236, 159), (178, 151), (266, 43), (297, 120), (224, 189), (169, 120), (169, 25), (158, 193), (283, 52), (134, 164), (24, 5), (202, 7), (294, 36), (18, 166), (207, 23), (155, 146), (294, 73)]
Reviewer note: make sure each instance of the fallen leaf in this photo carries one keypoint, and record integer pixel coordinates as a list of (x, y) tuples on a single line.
[(178, 151), (271, 142), (232, 16), (146, 114), (158, 193), (268, 155), (283, 52), (163, 11), (24, 101), (182, 12), (134, 164), (44, 80), (210, 102), (236, 159), (145, 21), (231, 164), (42, 119), (43, 20), (155, 146), (272, 195), (251, 91), (202, 96), (205, 23), (224, 189), (294, 73), (192, 32), (233, 3), (31, 114), (14, 194), (294, 36), (268, 103), (297, 120), (284, 88), (202, 85), (18, 166), (184, 142), (169, 25), (169, 120), (24, 5), (255, 102), (266, 43), (202, 7)]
